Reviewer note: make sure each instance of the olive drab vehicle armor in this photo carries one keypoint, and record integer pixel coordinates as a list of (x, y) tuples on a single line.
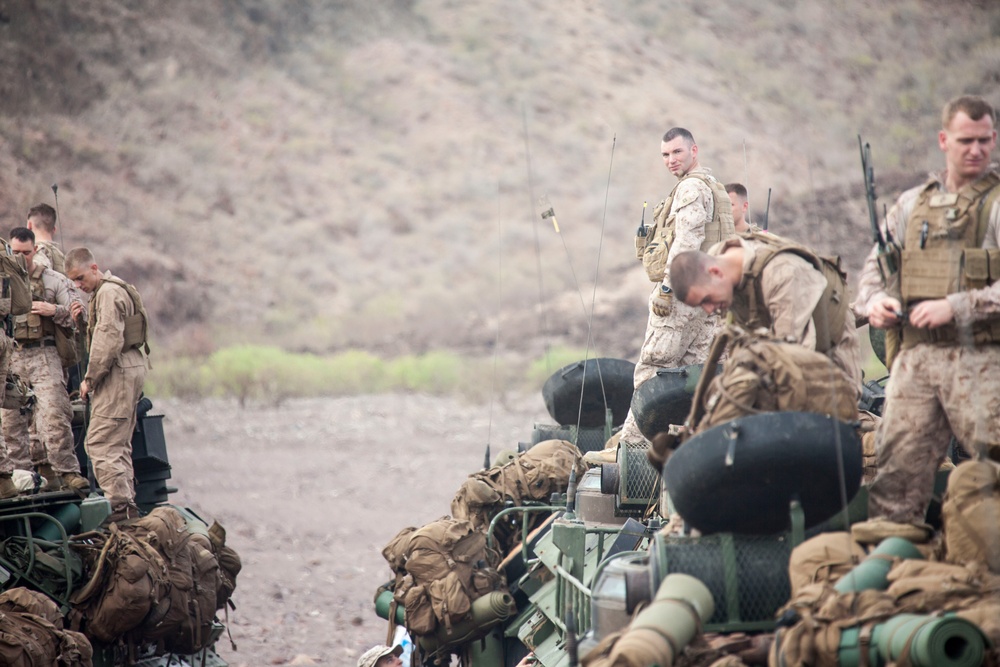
[(832, 309), (942, 254), (654, 248)]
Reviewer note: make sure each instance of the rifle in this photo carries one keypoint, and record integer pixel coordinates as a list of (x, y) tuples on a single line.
[(888, 251)]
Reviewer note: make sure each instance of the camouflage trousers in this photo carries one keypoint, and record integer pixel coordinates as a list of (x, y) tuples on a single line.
[(41, 368), (933, 393), (6, 350), (682, 338)]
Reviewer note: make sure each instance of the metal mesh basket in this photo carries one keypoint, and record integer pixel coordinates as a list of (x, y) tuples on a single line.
[(747, 574), (586, 439), (639, 485)]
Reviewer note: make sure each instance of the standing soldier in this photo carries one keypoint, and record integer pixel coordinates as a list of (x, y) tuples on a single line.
[(15, 299), (696, 215), (738, 196), (945, 300), (42, 221), (114, 378), (37, 361)]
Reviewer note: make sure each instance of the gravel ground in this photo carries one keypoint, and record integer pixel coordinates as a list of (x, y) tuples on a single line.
[(311, 490)]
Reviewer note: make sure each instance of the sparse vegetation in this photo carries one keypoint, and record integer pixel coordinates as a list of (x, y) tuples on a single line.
[(254, 373)]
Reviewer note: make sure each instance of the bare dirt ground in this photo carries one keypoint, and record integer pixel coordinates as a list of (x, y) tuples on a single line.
[(311, 490)]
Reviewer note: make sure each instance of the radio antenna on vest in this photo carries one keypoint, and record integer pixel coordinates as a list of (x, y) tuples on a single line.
[(746, 181)]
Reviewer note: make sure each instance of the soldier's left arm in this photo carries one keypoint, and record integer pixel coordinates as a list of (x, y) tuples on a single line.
[(692, 209), (792, 287)]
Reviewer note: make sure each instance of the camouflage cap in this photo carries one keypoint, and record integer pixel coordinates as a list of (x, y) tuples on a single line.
[(372, 655)]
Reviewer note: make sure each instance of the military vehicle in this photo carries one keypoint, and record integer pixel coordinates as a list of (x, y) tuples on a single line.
[(599, 559), (59, 544)]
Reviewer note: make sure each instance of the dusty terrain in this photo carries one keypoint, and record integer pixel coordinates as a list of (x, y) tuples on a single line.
[(310, 491)]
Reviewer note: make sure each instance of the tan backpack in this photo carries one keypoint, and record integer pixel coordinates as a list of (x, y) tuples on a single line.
[(32, 634), (128, 579), (440, 570), (763, 374), (182, 620), (971, 514), (533, 476), (15, 293)]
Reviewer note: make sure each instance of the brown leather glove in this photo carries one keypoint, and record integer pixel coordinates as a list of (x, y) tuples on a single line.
[(663, 303)]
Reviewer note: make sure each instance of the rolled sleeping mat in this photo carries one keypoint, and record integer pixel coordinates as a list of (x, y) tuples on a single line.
[(741, 476), (674, 618), (598, 383), (665, 399), (486, 612), (925, 641), (873, 571), (382, 602)]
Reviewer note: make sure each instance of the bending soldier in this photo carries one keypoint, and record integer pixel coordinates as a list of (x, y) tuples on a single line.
[(37, 361), (696, 214), (945, 302), (768, 281), (114, 378)]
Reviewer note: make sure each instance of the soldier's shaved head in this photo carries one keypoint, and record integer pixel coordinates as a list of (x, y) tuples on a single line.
[(43, 216), (689, 268), (675, 132), (79, 258)]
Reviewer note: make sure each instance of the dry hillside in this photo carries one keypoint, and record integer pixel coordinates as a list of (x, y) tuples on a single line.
[(330, 174)]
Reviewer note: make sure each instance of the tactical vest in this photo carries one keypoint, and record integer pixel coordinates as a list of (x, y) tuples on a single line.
[(55, 256), (32, 326), (943, 255), (136, 324), (748, 307), (654, 248)]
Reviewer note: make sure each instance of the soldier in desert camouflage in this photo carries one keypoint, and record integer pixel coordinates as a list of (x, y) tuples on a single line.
[(945, 302), (696, 215)]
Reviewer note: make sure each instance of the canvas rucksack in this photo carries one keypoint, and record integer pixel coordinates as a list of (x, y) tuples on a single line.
[(763, 374), (533, 476), (128, 580), (441, 569), (32, 634), (971, 514), (15, 293), (183, 619)]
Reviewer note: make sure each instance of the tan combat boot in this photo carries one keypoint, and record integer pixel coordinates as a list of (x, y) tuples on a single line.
[(51, 477), (74, 482), (7, 488)]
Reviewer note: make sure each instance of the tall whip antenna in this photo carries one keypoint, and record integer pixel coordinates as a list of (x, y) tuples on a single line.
[(746, 180), (534, 229), (496, 342), (55, 195)]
